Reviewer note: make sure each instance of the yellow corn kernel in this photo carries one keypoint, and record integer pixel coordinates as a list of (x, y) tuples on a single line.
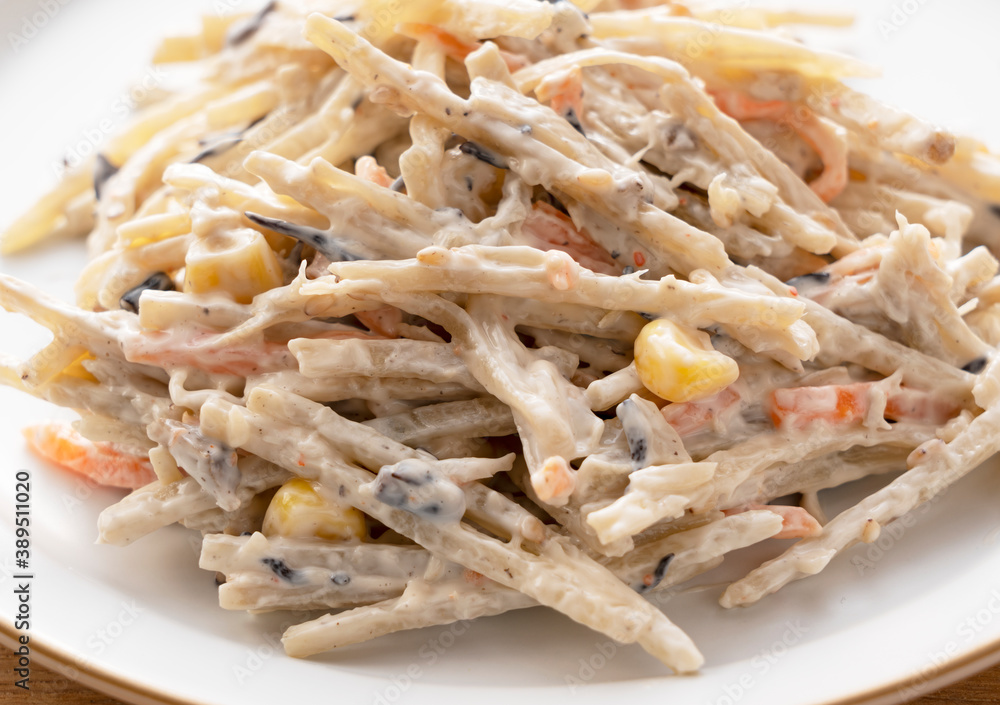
[(239, 262), (679, 364), (299, 510), (77, 370), (56, 361)]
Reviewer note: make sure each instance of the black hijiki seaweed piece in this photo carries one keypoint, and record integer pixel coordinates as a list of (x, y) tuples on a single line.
[(391, 489), (256, 122), (281, 569), (223, 144), (658, 573), (484, 155), (637, 450), (635, 433), (811, 278), (573, 119), (320, 240), (160, 281), (396, 486), (242, 31), (976, 366), (103, 170)]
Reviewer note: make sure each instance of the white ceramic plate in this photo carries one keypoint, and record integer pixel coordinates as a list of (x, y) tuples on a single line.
[(142, 622)]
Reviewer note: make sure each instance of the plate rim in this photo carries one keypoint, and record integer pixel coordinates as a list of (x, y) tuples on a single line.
[(116, 685), (100, 678)]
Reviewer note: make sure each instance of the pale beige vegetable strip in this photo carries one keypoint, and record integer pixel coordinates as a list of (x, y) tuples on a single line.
[(694, 551), (554, 423), (367, 572), (462, 419), (572, 584), (158, 505), (684, 246), (766, 320), (732, 46), (729, 143), (463, 597), (934, 466)]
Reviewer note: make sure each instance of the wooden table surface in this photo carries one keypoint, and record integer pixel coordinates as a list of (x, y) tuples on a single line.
[(50, 687)]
